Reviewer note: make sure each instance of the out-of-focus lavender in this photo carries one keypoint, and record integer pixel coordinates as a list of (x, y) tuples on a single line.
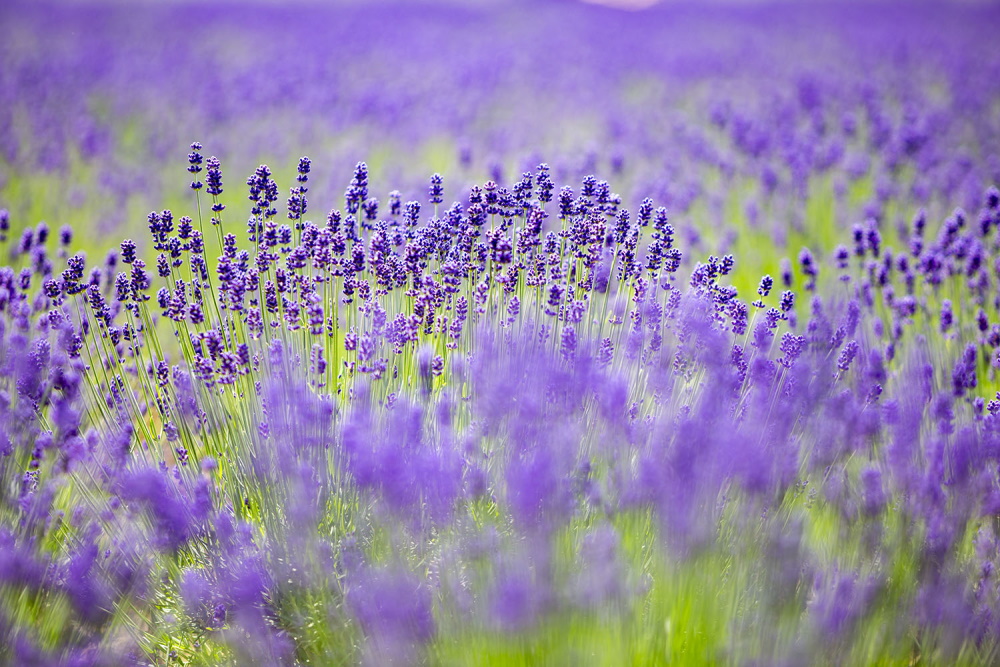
[(665, 337), (385, 440), (671, 101)]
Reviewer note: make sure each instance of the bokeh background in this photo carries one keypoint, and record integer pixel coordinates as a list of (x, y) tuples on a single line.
[(723, 112)]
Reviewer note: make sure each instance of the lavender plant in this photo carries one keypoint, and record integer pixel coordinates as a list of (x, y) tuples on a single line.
[(745, 412), (519, 429)]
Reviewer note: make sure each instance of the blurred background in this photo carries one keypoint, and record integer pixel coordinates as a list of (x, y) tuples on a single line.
[(770, 115)]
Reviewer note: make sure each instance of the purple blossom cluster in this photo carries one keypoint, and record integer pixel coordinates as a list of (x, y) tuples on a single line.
[(396, 420), (717, 383)]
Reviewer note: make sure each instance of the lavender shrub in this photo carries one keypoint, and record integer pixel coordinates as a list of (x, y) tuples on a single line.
[(745, 412), (489, 434)]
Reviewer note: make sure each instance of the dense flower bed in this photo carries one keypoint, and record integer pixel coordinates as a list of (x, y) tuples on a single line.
[(734, 402)]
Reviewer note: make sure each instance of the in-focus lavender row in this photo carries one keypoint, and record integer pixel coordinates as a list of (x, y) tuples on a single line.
[(385, 437)]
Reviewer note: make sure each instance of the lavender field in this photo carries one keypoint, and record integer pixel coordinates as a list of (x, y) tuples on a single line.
[(582, 336)]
